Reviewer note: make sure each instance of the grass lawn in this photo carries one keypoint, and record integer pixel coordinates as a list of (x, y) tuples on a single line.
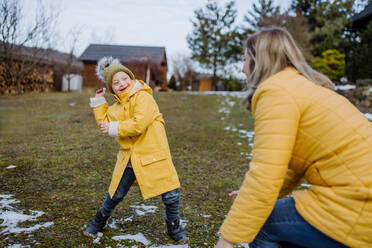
[(62, 166)]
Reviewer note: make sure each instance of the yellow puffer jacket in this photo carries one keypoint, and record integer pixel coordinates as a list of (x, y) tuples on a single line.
[(305, 131), (141, 134)]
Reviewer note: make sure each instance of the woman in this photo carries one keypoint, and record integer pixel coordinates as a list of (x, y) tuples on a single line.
[(303, 131)]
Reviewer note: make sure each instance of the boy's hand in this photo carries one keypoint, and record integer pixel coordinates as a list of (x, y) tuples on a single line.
[(222, 243), (104, 126), (101, 92), (234, 194)]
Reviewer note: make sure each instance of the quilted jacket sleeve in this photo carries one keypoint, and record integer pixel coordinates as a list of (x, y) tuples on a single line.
[(100, 113), (144, 112), (276, 121)]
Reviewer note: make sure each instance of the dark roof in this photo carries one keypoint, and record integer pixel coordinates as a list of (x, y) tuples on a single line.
[(365, 15), (48, 56), (204, 75), (124, 53)]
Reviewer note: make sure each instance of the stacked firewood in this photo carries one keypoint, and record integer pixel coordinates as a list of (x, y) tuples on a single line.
[(38, 80)]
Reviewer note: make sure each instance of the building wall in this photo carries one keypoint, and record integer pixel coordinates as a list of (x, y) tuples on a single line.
[(205, 84), (90, 80)]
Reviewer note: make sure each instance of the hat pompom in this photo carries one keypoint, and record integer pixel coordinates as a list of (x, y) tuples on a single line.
[(102, 64)]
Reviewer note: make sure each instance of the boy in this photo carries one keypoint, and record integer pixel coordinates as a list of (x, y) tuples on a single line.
[(144, 156)]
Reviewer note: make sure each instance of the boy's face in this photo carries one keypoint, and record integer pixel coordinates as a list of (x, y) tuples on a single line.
[(120, 82)]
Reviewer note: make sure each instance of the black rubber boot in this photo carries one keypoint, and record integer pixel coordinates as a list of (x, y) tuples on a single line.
[(97, 224), (176, 232)]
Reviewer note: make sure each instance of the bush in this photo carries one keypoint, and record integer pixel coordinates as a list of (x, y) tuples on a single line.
[(332, 64), (232, 84)]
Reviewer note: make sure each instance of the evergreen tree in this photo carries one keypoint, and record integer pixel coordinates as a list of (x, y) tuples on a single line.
[(262, 15), (265, 14), (215, 41), (359, 62), (328, 22)]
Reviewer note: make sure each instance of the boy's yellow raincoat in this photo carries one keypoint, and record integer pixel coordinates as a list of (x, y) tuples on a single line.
[(305, 131), (142, 139)]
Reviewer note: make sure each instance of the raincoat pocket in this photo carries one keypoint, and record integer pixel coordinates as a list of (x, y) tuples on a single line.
[(152, 158)]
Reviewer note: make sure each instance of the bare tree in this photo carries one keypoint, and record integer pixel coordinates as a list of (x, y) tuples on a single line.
[(74, 34), (21, 41), (183, 70), (106, 36)]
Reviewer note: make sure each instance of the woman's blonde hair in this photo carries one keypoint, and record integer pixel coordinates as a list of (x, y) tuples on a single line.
[(270, 51)]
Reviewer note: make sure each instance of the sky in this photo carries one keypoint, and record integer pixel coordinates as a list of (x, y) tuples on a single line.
[(131, 22)]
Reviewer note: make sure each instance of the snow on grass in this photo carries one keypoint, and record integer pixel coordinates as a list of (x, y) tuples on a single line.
[(139, 237), (12, 217), (227, 104), (143, 209), (224, 110), (368, 116), (183, 223), (170, 246), (18, 246), (344, 87), (115, 221), (243, 245), (98, 238), (248, 155), (306, 185), (238, 94), (11, 166)]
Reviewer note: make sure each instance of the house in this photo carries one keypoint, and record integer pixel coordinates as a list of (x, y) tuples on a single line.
[(147, 63), (360, 20), (35, 69), (358, 57)]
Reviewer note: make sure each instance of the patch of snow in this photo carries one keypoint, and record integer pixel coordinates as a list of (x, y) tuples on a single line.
[(368, 116), (129, 219), (306, 185), (344, 87), (224, 110), (183, 223), (11, 166), (238, 94), (247, 154), (243, 245), (143, 209), (139, 237), (206, 215), (229, 102), (239, 143), (12, 217), (97, 240), (72, 104), (171, 246), (115, 221), (18, 246)]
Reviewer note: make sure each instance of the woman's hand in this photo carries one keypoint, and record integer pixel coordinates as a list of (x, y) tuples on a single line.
[(234, 194), (104, 126), (222, 243), (101, 92)]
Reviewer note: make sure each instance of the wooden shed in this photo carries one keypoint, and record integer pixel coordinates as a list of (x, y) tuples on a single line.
[(43, 69), (147, 63), (202, 82)]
